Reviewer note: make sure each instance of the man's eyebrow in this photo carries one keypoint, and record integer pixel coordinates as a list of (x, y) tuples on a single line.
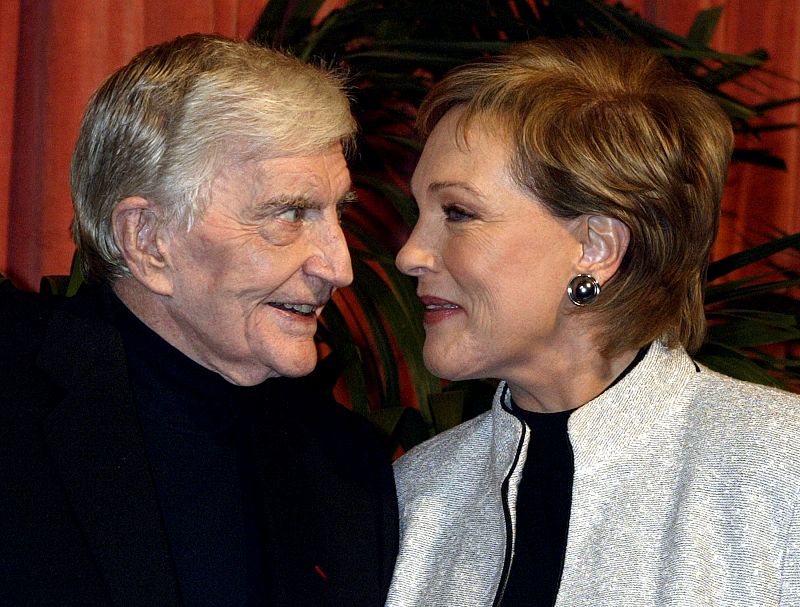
[(264, 208), (287, 200)]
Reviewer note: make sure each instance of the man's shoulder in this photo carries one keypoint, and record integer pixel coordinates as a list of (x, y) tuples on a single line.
[(25, 315), (23, 311), (24, 318), (45, 341)]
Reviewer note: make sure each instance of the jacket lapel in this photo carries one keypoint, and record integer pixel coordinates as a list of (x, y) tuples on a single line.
[(98, 450)]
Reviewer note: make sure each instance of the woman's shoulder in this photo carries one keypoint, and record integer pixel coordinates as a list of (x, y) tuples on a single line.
[(746, 398), (735, 408), (447, 453)]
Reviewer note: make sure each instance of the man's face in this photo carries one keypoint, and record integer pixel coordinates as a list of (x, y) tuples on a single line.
[(253, 273)]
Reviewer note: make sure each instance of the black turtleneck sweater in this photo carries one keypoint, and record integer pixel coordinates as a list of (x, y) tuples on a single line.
[(194, 424)]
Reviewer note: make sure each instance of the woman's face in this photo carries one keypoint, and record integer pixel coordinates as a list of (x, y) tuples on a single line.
[(492, 263)]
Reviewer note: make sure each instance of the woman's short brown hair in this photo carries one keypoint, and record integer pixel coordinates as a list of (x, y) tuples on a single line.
[(599, 128)]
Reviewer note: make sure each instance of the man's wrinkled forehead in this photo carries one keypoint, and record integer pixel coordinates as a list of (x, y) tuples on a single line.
[(311, 181)]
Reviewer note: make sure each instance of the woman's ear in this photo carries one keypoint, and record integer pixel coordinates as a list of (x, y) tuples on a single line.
[(605, 241), (138, 234)]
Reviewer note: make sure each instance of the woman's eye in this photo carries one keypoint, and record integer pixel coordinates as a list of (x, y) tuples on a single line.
[(456, 213), (292, 214)]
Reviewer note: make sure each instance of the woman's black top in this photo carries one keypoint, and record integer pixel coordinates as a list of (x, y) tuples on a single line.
[(543, 502), (543, 506)]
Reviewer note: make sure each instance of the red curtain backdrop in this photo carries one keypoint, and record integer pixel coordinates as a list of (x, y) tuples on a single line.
[(54, 53)]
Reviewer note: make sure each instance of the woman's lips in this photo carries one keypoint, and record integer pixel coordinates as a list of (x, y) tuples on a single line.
[(438, 310)]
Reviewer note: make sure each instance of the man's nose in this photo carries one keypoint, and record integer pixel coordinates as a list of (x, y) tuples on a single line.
[(331, 262)]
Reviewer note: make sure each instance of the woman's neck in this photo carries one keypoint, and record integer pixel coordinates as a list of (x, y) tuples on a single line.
[(567, 382)]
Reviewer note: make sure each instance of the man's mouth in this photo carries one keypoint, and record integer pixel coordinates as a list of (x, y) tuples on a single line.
[(301, 309)]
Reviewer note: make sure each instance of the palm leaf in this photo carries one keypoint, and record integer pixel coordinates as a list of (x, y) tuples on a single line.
[(752, 255), (703, 27)]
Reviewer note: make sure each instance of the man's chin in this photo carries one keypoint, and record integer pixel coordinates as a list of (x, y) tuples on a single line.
[(297, 372), (299, 364), (254, 375)]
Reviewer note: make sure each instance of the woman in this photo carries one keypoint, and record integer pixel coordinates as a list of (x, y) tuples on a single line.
[(568, 198)]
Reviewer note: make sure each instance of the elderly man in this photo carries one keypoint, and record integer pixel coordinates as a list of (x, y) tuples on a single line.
[(147, 454)]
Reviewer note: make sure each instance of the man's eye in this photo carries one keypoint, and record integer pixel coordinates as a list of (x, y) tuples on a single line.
[(453, 212), (292, 214)]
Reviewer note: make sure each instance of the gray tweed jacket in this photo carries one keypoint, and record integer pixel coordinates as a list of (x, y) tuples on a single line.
[(686, 493)]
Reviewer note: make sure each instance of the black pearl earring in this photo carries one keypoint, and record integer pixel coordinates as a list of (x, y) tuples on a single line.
[(583, 289)]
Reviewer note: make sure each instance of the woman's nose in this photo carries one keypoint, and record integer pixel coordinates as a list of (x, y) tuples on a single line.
[(415, 257)]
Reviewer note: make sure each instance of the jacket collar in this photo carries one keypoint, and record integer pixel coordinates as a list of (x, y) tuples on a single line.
[(510, 437), (610, 423), (613, 423), (98, 450)]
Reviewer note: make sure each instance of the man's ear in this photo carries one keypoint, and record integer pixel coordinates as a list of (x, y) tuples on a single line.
[(138, 234), (605, 241)]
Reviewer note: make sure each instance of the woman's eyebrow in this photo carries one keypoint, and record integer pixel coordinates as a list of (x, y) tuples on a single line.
[(438, 186)]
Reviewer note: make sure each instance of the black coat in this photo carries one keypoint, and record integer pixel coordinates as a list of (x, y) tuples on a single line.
[(79, 517)]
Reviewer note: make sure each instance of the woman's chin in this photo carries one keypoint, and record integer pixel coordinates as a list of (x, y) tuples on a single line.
[(447, 367)]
